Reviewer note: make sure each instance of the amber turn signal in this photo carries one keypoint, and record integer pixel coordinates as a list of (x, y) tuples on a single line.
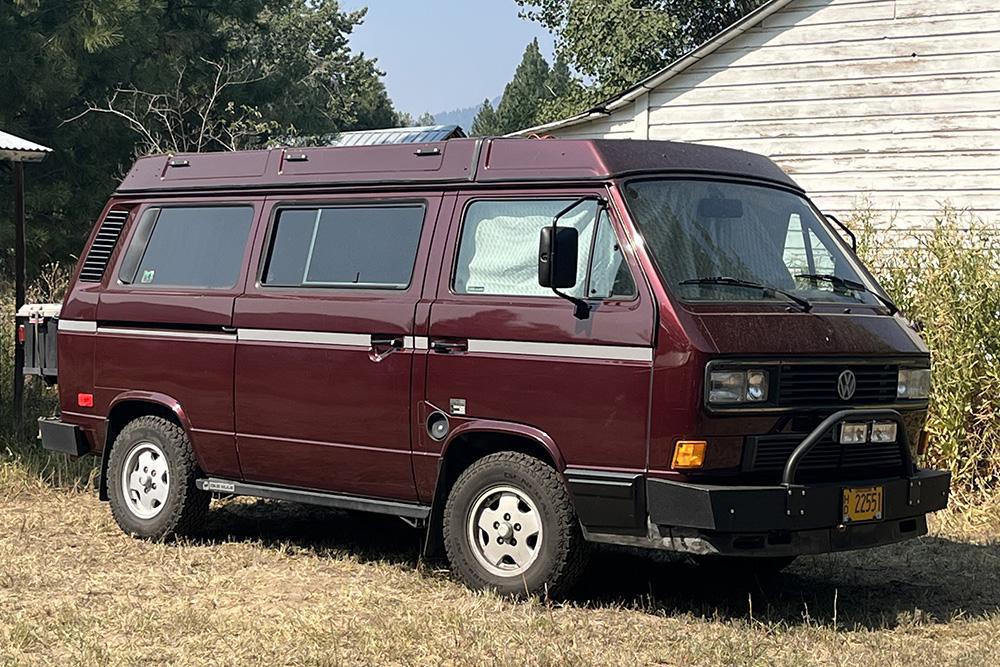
[(923, 443), (689, 454)]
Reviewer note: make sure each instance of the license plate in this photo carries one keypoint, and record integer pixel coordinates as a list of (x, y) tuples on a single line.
[(864, 504)]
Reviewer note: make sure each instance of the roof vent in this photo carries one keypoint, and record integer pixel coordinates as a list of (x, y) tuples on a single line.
[(104, 244)]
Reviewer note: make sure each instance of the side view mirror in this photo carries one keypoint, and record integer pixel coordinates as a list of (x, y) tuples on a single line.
[(557, 257)]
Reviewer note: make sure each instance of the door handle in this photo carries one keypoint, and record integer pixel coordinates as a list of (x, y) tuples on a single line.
[(395, 342), (383, 345), (449, 345)]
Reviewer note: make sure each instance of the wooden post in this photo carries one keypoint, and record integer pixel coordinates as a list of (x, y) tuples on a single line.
[(19, 289)]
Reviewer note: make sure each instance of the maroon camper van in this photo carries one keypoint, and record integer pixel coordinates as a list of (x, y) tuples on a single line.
[(521, 346)]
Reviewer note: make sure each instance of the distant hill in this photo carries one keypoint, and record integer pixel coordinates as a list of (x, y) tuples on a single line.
[(462, 117)]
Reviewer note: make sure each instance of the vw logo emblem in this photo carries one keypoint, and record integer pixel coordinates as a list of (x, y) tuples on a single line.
[(846, 384)]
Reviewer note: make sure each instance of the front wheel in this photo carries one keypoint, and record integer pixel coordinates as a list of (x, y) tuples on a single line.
[(509, 526)]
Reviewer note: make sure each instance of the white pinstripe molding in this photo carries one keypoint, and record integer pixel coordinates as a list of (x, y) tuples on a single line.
[(476, 346)]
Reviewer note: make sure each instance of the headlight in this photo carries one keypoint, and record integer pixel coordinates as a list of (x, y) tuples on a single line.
[(913, 383), (737, 386), (883, 432)]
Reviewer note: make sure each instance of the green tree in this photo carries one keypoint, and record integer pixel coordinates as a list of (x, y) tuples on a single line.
[(613, 44), (562, 91), (486, 123), (560, 80), (534, 86), (525, 93), (164, 73)]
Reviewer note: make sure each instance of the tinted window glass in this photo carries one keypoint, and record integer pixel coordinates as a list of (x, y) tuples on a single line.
[(701, 230), (345, 246), (192, 247), (499, 250)]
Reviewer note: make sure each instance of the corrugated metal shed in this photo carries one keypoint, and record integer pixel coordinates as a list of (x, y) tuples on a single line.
[(20, 150), (400, 135)]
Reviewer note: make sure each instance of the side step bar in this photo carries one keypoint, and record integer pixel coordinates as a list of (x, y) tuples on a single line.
[(392, 507)]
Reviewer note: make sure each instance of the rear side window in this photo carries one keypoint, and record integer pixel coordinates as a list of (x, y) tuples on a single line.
[(188, 247), (345, 246), (498, 251)]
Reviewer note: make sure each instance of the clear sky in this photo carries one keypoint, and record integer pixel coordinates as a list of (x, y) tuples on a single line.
[(440, 55)]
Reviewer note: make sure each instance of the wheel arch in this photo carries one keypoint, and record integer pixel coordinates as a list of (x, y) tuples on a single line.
[(471, 441), (128, 406)]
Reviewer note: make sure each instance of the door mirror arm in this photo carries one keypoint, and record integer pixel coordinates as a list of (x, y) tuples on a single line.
[(854, 239), (581, 309)]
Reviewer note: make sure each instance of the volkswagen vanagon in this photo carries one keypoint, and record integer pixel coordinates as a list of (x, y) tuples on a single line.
[(519, 346)]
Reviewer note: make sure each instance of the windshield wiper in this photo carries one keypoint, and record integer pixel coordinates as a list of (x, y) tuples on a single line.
[(845, 283), (737, 282)]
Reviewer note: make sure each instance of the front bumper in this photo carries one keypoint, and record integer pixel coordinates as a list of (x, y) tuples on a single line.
[(792, 518), (787, 520)]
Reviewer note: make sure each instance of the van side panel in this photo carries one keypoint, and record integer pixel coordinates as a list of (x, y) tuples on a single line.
[(175, 342)]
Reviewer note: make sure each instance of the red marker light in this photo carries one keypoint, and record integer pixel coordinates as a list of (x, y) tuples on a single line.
[(20, 333), (85, 400)]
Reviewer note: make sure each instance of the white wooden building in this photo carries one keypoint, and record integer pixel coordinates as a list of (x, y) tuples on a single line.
[(896, 102)]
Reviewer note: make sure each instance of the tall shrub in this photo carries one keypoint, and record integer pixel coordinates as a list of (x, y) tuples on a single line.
[(948, 281)]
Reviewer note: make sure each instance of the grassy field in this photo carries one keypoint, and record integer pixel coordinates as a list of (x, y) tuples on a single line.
[(273, 583)]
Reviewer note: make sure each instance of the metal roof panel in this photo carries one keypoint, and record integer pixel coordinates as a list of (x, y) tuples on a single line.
[(400, 135), (18, 149)]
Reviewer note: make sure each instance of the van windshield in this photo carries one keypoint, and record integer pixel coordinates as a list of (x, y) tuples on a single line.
[(710, 238)]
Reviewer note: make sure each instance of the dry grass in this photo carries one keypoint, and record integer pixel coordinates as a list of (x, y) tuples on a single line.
[(272, 583)]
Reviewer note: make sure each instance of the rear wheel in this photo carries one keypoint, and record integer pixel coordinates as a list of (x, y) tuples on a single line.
[(151, 480), (509, 526)]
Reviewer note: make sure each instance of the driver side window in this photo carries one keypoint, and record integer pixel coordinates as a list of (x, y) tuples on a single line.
[(498, 250)]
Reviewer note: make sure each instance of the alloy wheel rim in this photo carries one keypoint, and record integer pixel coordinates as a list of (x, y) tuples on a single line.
[(505, 531), (145, 480)]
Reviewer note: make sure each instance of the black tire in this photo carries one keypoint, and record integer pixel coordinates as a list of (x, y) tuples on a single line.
[(184, 507), (561, 551)]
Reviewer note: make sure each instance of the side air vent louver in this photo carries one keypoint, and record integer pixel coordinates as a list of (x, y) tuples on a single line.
[(104, 244)]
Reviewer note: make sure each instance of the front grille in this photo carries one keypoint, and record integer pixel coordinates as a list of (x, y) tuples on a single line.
[(828, 459), (816, 384)]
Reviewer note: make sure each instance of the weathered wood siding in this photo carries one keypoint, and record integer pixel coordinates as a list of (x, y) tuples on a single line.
[(894, 102)]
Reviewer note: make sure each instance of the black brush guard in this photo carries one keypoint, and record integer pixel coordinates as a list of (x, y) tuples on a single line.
[(790, 517)]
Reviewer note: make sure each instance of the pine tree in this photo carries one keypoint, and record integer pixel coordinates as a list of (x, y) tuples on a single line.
[(526, 92), (563, 93), (560, 79), (486, 123)]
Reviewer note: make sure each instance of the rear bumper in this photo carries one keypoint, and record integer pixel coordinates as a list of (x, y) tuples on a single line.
[(786, 520), (58, 436)]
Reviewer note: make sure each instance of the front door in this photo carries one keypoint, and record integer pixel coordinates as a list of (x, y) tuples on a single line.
[(504, 349), (325, 344)]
